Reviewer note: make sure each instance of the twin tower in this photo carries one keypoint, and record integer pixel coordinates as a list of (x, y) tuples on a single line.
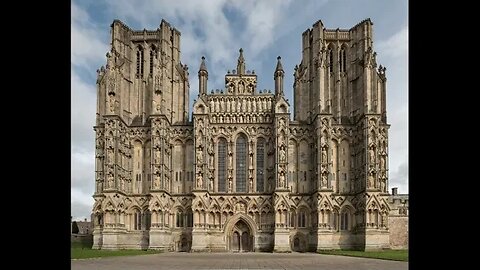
[(241, 176)]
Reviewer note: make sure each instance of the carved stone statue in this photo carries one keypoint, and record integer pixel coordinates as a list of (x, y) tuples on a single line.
[(371, 180), (372, 155), (250, 185), (283, 155), (230, 159), (324, 154), (199, 155), (228, 105), (156, 181), (199, 181), (157, 156), (282, 179), (324, 180), (110, 180), (382, 163), (230, 184)]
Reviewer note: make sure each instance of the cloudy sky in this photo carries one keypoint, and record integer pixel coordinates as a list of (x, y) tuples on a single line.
[(217, 29)]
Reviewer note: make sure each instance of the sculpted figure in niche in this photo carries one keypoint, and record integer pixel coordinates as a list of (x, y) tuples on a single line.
[(228, 105), (264, 101), (324, 180), (217, 105), (254, 105), (222, 105), (230, 184), (230, 159), (282, 179), (249, 105), (199, 155), (372, 155), (382, 163), (324, 154), (239, 106), (371, 180), (283, 155), (250, 186), (244, 105), (241, 88), (269, 105), (212, 105), (110, 180), (199, 181), (230, 88)]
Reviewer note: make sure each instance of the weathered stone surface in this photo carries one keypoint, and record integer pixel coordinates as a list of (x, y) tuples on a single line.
[(240, 175)]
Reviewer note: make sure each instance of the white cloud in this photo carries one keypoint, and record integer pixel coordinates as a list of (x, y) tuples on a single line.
[(396, 45), (206, 29), (87, 49), (393, 53)]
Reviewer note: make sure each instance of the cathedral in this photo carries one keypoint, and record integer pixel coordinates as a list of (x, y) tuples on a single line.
[(241, 175)]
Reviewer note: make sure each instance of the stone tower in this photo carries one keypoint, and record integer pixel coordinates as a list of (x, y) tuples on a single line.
[(241, 176), (341, 93)]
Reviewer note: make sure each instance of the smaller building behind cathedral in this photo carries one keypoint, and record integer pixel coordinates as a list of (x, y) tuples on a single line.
[(243, 176)]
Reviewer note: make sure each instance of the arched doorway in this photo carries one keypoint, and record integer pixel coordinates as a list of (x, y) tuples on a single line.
[(241, 237)]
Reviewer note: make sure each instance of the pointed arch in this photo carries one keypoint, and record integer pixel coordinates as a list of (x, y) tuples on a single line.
[(241, 152), (261, 155), (153, 55), (222, 164), (140, 55)]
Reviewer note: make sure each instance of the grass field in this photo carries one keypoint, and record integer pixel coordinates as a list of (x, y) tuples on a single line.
[(80, 251), (394, 255)]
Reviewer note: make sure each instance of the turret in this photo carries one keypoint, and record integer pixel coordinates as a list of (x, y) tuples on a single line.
[(278, 77), (241, 63), (202, 78)]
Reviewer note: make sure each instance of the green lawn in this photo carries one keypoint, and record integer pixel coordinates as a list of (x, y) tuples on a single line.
[(394, 255), (78, 251)]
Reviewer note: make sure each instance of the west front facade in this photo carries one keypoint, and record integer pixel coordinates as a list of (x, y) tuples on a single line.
[(241, 175)]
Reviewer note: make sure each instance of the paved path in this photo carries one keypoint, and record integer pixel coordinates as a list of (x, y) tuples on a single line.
[(265, 261)]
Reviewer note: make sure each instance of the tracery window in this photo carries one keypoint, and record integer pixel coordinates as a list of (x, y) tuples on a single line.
[(241, 168), (139, 62), (260, 164), (222, 165)]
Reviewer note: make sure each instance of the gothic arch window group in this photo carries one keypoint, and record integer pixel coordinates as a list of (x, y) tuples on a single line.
[(153, 55), (139, 62), (222, 164), (241, 163), (260, 164)]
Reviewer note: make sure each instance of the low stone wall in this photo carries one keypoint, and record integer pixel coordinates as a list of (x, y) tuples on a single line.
[(83, 240), (398, 232)]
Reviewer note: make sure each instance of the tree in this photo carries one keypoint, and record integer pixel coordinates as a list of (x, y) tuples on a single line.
[(74, 227)]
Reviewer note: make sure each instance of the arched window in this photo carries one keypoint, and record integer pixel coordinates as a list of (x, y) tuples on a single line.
[(241, 168), (222, 164), (179, 219), (344, 219), (139, 62), (301, 219), (189, 219), (330, 60), (137, 220), (260, 164), (343, 60), (138, 167), (147, 218), (292, 219), (153, 54)]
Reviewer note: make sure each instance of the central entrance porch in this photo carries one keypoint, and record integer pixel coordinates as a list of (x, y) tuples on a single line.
[(241, 238)]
